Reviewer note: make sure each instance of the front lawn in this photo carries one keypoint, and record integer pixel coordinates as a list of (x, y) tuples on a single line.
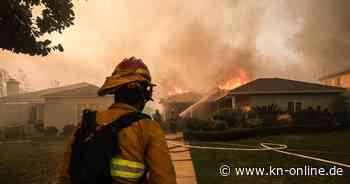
[(331, 146), (31, 162)]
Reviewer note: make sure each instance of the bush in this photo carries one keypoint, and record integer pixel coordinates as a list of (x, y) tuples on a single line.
[(267, 113), (254, 122), (220, 125), (342, 117), (243, 133), (311, 116), (68, 129), (233, 117), (39, 126), (198, 125), (50, 131), (14, 132), (342, 114)]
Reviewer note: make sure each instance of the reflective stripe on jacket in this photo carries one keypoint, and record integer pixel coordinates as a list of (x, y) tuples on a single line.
[(143, 147), (126, 169)]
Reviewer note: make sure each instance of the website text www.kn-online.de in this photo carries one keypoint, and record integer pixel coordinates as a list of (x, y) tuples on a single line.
[(226, 170)]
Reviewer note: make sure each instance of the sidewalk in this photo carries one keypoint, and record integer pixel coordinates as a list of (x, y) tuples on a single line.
[(185, 173)]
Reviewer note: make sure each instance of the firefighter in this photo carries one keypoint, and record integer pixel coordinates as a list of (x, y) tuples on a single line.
[(143, 148), (157, 117)]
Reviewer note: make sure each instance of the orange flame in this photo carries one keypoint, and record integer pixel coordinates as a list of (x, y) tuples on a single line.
[(235, 82), (176, 90)]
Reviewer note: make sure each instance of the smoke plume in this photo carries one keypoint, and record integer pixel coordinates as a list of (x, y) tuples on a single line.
[(195, 44), (324, 41)]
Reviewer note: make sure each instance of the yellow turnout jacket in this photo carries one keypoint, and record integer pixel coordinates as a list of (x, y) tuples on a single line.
[(143, 148)]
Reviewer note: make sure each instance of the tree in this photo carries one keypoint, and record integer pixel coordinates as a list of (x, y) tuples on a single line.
[(21, 32)]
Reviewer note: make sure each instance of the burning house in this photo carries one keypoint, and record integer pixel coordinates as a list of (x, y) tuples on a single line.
[(214, 100), (288, 95), (175, 104), (340, 79), (208, 104)]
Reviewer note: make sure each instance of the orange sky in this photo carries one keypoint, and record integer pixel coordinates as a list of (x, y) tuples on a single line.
[(189, 42)]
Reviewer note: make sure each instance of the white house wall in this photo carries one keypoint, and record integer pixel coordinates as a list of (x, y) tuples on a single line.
[(307, 100), (14, 114), (59, 112)]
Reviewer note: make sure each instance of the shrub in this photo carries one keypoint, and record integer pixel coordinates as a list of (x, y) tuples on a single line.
[(39, 126), (342, 117), (268, 113), (342, 114), (254, 122), (50, 131), (233, 117), (220, 125), (14, 132), (243, 133), (68, 129), (311, 116), (198, 125)]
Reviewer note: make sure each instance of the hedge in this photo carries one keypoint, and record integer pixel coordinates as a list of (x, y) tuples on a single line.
[(242, 133)]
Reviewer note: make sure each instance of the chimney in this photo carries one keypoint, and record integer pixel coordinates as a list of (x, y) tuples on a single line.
[(12, 86)]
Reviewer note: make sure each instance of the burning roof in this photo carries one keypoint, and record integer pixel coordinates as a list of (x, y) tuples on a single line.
[(188, 97), (212, 96), (235, 81)]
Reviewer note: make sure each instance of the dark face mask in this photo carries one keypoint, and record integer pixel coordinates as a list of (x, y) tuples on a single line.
[(135, 94)]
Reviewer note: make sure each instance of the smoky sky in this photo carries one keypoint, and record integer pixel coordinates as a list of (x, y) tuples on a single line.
[(324, 41), (194, 44)]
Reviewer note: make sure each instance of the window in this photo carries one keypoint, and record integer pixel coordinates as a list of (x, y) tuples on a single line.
[(290, 106), (298, 107)]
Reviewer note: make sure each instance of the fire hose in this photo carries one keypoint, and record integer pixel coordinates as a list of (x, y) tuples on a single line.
[(280, 148)]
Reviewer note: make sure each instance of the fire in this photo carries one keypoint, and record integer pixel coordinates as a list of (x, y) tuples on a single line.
[(231, 84), (176, 90), (235, 82)]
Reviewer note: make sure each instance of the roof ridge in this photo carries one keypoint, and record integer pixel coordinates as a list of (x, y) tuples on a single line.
[(71, 89), (246, 84), (281, 84), (310, 83), (47, 91)]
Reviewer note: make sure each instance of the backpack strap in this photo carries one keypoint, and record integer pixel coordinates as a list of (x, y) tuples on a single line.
[(127, 120)]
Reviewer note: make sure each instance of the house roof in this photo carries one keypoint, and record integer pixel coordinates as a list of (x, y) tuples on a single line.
[(278, 86), (212, 96), (189, 97), (341, 72), (217, 94), (38, 95), (84, 91)]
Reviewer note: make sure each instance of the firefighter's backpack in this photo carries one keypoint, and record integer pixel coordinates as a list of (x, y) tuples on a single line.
[(93, 148)]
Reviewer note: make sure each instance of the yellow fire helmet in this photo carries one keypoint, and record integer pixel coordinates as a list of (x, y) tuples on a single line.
[(129, 70)]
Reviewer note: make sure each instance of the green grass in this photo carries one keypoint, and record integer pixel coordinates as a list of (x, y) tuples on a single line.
[(29, 163), (207, 162)]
